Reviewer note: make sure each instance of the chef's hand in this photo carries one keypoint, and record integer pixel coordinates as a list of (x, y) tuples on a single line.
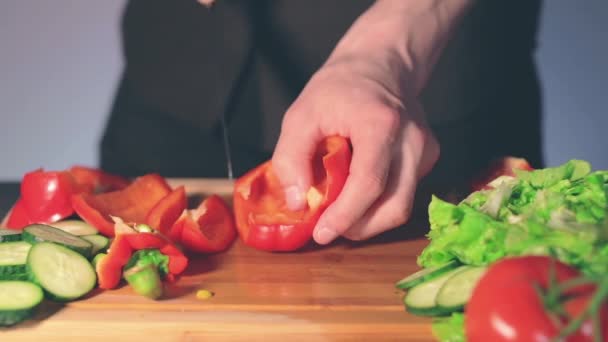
[(392, 149), (367, 91)]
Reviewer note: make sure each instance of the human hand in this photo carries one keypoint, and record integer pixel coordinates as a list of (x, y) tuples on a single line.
[(392, 147)]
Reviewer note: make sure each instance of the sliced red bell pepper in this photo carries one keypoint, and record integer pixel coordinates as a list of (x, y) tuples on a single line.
[(164, 214), (109, 268), (208, 228), (46, 195), (18, 217), (132, 203), (97, 181), (262, 217)]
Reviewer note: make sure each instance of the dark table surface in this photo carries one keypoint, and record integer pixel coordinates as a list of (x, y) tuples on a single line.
[(8, 195)]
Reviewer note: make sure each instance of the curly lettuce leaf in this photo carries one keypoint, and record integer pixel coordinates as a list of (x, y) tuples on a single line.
[(450, 329), (559, 211)]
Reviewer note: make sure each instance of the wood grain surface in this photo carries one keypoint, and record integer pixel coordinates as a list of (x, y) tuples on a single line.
[(344, 292)]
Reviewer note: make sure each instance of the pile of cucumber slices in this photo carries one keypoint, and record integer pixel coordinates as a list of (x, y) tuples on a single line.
[(43, 261), (441, 290)]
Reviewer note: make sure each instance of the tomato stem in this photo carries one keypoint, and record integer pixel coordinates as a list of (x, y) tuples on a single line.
[(593, 309)]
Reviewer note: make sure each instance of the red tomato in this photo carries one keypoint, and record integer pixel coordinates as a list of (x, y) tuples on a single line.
[(506, 305)]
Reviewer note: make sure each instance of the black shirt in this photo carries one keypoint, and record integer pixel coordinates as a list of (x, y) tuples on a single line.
[(187, 65)]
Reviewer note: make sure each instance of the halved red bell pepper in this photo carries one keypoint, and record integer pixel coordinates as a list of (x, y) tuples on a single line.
[(110, 268), (132, 203), (46, 195), (97, 181), (208, 228), (18, 217), (262, 217), (164, 214)]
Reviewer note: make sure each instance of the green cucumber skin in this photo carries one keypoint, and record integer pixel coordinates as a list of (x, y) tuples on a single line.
[(10, 317), (13, 317), (14, 269), (435, 309), (48, 294), (7, 235), (405, 284), (99, 243), (85, 250), (67, 226), (14, 272), (429, 312), (472, 273)]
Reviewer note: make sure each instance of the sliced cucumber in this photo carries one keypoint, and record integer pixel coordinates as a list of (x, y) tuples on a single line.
[(18, 301), (8, 235), (456, 292), (422, 298), (13, 257), (63, 273), (97, 258), (36, 233), (100, 243), (75, 227), (425, 274)]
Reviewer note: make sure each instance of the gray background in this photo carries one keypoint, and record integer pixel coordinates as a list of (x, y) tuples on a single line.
[(60, 61)]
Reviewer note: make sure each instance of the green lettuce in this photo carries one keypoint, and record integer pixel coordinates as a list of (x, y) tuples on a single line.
[(557, 211), (450, 329), (560, 211)]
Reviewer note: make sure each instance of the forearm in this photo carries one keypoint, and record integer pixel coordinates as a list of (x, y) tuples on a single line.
[(403, 37)]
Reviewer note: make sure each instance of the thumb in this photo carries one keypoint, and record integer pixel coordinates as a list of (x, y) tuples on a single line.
[(292, 158)]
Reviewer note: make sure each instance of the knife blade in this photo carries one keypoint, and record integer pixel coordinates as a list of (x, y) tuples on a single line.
[(226, 142)]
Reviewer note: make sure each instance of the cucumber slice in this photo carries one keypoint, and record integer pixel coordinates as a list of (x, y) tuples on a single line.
[(100, 243), (75, 227), (13, 257), (18, 301), (456, 292), (36, 233), (425, 274), (422, 298), (8, 235), (97, 258), (63, 273)]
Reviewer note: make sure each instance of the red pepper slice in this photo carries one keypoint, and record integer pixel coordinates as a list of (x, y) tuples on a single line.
[(18, 217), (208, 228), (262, 218), (97, 181), (164, 214), (132, 203), (46, 195), (109, 268)]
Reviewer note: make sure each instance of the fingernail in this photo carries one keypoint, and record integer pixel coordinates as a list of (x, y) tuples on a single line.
[(294, 198), (324, 235)]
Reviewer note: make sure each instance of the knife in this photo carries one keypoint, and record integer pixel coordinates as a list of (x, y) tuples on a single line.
[(226, 141)]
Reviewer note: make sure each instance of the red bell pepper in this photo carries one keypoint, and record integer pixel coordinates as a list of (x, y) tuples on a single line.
[(109, 268), (97, 181), (46, 195), (262, 217), (132, 203), (208, 228), (164, 214), (18, 217)]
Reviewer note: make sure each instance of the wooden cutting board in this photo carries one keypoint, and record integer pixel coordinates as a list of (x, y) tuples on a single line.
[(341, 292)]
